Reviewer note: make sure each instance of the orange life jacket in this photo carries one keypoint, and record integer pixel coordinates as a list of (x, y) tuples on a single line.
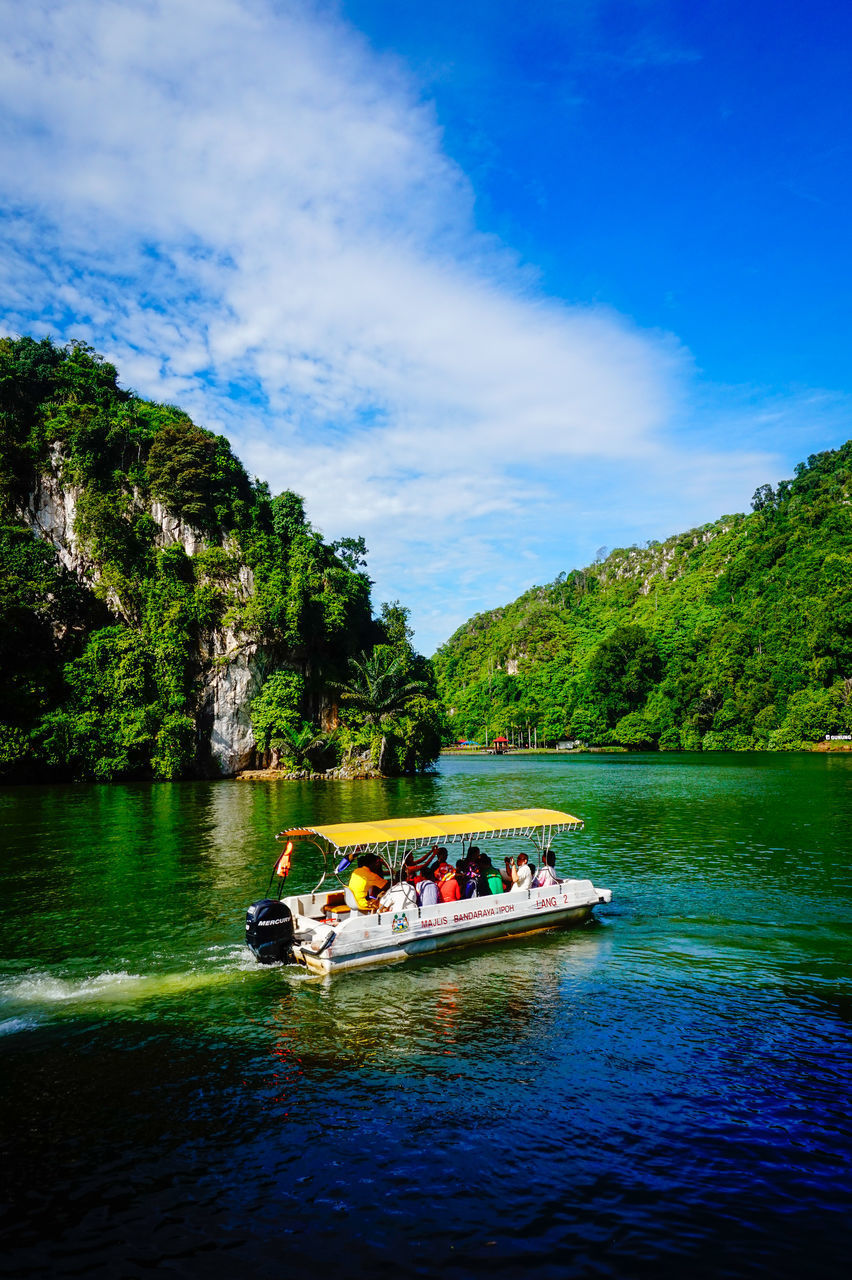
[(283, 868), (444, 887)]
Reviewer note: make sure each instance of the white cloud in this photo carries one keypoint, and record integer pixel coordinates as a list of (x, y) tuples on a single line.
[(252, 214)]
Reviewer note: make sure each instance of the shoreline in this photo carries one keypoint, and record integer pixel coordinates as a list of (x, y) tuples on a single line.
[(306, 775), (338, 775), (822, 748)]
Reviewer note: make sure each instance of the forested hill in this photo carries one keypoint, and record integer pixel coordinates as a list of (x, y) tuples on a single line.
[(733, 636), (161, 614)]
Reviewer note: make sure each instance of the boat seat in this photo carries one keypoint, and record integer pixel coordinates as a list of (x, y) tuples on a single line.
[(351, 901), (343, 901), (336, 902)]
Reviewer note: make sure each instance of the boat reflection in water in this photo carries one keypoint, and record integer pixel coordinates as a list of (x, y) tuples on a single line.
[(471, 1006)]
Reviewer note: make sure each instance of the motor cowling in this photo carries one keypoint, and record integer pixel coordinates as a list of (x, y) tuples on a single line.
[(269, 931)]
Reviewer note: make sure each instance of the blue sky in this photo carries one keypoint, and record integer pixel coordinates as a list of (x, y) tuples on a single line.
[(494, 284), (687, 164)]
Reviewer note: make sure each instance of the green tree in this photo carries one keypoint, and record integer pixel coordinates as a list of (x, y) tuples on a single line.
[(276, 712), (69, 647), (288, 517), (44, 614), (622, 671), (196, 477), (305, 746), (390, 692), (635, 731), (378, 686), (109, 722), (733, 618), (352, 552), (395, 620)]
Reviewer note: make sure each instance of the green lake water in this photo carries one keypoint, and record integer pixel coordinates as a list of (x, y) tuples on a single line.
[(663, 1092)]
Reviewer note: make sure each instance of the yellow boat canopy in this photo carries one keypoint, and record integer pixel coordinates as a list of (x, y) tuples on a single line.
[(403, 834)]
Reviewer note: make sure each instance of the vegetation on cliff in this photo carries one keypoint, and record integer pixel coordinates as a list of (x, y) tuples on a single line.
[(734, 636), (104, 664)]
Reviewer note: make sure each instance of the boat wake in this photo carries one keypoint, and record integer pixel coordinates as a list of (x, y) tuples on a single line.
[(11, 1026), (24, 996)]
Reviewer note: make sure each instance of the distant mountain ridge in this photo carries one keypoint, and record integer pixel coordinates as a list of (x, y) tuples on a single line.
[(734, 636)]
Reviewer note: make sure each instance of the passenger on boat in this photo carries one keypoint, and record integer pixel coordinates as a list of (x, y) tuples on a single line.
[(449, 889), (366, 883), (427, 890), (465, 875), (520, 872), (434, 854), (442, 866), (414, 866), (400, 896), (492, 876), (477, 885), (546, 877)]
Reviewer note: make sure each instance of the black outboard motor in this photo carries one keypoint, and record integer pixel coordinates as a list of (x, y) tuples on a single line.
[(269, 931)]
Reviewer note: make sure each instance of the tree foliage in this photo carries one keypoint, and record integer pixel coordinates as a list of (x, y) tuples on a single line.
[(104, 670), (197, 478), (276, 710), (379, 686), (390, 702), (734, 636)]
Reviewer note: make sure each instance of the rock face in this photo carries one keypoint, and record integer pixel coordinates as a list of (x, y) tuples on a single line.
[(232, 666), (234, 671), (50, 512), (173, 530)]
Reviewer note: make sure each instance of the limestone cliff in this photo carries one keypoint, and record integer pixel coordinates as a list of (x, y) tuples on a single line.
[(231, 665), (162, 589)]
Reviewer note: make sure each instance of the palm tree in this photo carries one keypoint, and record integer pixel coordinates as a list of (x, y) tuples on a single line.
[(304, 744), (379, 686)]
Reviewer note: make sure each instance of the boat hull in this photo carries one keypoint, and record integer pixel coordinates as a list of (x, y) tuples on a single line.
[(419, 933)]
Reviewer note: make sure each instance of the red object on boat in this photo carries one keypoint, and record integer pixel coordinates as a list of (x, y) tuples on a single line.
[(283, 867)]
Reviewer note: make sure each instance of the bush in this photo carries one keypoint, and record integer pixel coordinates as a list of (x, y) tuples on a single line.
[(196, 477), (276, 711), (635, 732), (811, 714), (690, 738), (725, 740)]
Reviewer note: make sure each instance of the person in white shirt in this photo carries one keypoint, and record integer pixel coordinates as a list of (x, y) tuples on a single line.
[(400, 896), (520, 872), (546, 877), (427, 890)]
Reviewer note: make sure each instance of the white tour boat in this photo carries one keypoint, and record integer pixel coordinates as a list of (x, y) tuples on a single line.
[(326, 931)]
